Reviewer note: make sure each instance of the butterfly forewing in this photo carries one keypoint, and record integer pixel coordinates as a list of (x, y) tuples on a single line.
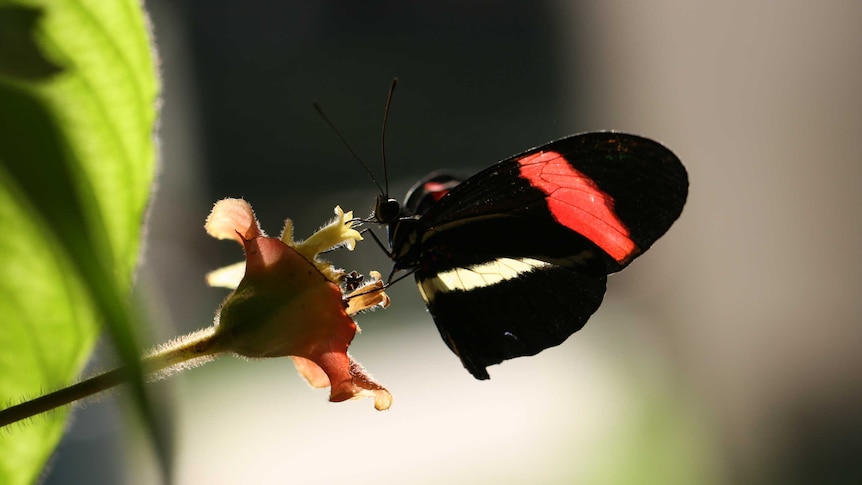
[(637, 181)]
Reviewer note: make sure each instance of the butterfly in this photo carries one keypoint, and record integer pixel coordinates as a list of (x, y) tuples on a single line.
[(515, 259)]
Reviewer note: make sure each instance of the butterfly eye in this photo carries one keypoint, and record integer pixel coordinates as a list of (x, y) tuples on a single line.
[(386, 211)]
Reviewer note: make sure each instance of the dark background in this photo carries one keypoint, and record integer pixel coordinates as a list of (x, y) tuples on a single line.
[(728, 354)]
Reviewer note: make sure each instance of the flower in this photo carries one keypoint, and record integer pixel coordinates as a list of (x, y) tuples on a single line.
[(288, 302)]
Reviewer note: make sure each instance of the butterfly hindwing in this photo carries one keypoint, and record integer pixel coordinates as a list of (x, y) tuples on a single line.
[(509, 308)]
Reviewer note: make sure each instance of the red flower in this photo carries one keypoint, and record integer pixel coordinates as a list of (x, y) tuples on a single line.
[(290, 303)]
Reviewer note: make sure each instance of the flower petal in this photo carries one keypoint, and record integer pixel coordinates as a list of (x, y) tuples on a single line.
[(337, 233), (233, 219), (311, 372), (354, 384), (227, 277)]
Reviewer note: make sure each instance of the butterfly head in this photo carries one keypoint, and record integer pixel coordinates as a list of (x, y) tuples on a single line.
[(386, 210)]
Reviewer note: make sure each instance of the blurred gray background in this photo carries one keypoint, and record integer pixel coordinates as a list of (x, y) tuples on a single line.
[(730, 353)]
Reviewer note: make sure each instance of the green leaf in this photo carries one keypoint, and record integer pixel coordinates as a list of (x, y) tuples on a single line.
[(76, 165)]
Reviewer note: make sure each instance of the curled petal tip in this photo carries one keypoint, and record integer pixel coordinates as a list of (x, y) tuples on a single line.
[(233, 219)]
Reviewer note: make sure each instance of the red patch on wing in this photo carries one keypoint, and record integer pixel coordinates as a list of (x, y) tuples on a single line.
[(437, 190), (577, 203)]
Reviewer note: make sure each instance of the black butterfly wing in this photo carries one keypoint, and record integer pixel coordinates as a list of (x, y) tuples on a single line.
[(489, 314), (515, 259), (620, 191)]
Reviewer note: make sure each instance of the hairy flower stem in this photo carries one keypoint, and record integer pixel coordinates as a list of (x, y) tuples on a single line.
[(182, 353)]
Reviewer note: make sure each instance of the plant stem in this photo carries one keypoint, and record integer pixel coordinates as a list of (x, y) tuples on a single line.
[(62, 397), (182, 353)]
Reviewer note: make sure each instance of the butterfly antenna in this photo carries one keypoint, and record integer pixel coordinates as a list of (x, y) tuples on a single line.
[(350, 149), (383, 134)]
